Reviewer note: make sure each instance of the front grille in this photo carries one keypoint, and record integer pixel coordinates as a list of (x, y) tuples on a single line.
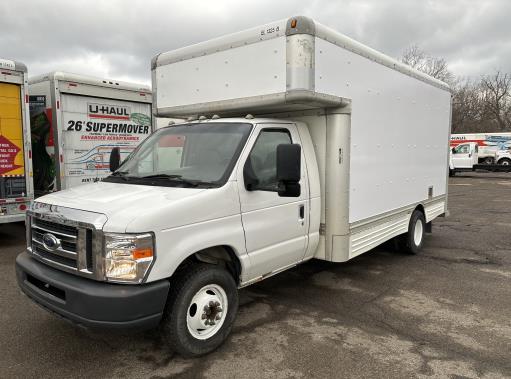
[(55, 227), (73, 250), (50, 256)]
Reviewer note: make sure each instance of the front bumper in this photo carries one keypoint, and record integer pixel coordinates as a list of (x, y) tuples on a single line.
[(90, 303)]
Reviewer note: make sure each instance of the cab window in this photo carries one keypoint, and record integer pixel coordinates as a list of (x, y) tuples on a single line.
[(263, 157), (462, 149)]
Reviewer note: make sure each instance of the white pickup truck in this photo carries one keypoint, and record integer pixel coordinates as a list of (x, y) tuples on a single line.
[(465, 156), (208, 206)]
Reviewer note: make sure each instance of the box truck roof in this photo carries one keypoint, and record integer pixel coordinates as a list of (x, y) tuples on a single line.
[(84, 79), (281, 66), (6, 64), (302, 25)]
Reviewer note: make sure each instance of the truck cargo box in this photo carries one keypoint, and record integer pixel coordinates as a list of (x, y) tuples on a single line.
[(77, 120), (398, 138)]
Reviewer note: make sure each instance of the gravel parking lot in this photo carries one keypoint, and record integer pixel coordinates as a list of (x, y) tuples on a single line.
[(443, 313)]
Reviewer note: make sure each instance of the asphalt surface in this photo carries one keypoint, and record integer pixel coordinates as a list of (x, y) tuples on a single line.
[(443, 313)]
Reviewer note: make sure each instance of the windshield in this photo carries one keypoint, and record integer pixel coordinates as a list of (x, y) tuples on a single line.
[(201, 154)]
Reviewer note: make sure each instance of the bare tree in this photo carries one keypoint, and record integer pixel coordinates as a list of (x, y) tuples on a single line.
[(417, 58), (496, 95), (466, 106)]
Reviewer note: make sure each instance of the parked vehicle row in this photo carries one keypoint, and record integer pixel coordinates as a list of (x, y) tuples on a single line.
[(465, 157), (492, 147)]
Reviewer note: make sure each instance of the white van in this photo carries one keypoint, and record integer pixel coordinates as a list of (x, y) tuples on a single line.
[(296, 154)]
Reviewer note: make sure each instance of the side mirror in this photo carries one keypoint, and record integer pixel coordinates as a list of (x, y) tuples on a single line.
[(115, 159), (453, 150), (289, 158)]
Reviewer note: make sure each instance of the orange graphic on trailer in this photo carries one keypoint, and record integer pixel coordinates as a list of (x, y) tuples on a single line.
[(11, 131)]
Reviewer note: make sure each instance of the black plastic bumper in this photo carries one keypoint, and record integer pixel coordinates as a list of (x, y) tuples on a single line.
[(91, 303)]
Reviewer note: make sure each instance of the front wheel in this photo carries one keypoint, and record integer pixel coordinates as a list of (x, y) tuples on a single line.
[(201, 310), (505, 162)]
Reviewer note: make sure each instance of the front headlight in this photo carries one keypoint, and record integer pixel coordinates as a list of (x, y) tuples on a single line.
[(128, 257)]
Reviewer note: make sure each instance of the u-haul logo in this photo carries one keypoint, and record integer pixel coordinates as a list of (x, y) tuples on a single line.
[(111, 112)]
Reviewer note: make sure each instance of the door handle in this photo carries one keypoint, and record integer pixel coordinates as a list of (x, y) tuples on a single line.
[(301, 212)]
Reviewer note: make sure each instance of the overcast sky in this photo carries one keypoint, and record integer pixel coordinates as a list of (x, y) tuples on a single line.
[(118, 38)]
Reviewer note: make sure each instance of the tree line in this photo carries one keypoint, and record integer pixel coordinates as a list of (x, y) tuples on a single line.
[(481, 105)]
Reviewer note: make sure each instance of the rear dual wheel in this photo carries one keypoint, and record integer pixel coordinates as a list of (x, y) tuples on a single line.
[(412, 241)]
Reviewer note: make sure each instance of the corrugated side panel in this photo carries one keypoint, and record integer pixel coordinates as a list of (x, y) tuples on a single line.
[(434, 210)]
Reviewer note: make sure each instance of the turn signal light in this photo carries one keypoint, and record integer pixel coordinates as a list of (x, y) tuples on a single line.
[(142, 253)]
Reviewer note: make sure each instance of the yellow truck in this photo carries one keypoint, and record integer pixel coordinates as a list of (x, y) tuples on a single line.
[(16, 185)]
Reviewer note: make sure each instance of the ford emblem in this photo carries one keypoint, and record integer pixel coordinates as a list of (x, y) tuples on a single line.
[(50, 242)]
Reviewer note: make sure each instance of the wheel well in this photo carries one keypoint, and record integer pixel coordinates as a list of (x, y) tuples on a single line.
[(218, 255), (420, 207), (503, 160)]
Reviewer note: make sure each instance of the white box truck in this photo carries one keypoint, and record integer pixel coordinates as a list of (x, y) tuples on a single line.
[(491, 146), (16, 186), (464, 157), (296, 154), (77, 120)]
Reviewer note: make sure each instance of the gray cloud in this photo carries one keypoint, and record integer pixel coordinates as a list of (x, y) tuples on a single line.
[(118, 38)]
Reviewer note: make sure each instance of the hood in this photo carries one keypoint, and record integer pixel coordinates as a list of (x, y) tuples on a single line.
[(145, 208), (108, 198), (134, 208)]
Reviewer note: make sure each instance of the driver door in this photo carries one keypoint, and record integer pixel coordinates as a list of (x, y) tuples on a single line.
[(276, 228), (462, 156)]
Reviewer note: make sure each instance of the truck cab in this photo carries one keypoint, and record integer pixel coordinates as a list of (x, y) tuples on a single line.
[(463, 156)]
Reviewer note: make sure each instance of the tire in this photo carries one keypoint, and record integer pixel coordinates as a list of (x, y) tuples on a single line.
[(190, 302), (505, 161), (488, 160), (451, 173), (410, 242)]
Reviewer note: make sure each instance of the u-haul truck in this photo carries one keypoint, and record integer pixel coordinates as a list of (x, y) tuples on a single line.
[(16, 188), (296, 154), (77, 121), (491, 146)]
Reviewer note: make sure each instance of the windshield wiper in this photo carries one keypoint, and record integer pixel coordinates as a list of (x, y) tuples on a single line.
[(121, 174), (177, 178), (162, 176)]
